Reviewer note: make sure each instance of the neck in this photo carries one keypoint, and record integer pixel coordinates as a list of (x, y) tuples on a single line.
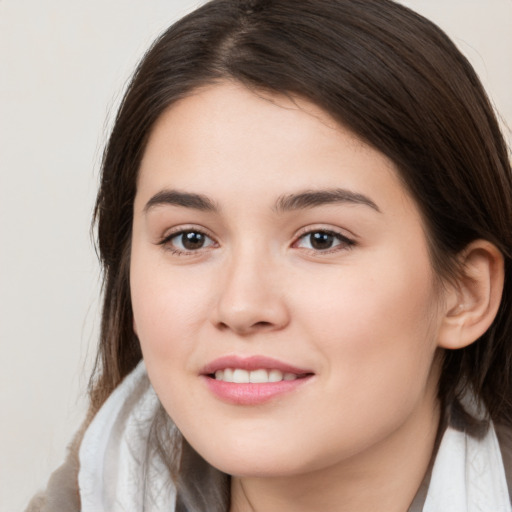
[(384, 477)]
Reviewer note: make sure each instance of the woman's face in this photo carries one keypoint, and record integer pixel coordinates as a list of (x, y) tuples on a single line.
[(271, 245)]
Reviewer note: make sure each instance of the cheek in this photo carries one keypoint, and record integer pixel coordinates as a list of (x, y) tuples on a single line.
[(376, 333), (377, 321), (167, 306), (166, 314)]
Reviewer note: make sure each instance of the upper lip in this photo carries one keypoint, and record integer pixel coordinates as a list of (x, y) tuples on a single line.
[(251, 363)]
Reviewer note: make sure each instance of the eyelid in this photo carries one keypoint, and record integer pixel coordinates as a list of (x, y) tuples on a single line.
[(327, 228), (164, 241), (180, 228), (346, 241)]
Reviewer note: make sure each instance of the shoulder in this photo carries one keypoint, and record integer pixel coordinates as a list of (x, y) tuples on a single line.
[(62, 493)]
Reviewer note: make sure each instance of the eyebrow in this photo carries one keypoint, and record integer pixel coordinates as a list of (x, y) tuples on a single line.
[(314, 198), (285, 203), (185, 199)]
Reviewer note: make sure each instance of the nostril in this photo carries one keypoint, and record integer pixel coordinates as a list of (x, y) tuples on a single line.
[(262, 324), (247, 328), (222, 326)]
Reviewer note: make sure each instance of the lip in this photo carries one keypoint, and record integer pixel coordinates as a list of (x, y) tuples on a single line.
[(252, 393), (251, 363)]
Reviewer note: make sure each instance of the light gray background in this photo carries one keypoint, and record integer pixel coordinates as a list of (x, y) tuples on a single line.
[(63, 66)]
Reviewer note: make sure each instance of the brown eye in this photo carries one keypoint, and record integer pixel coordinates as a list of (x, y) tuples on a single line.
[(188, 241), (192, 240), (323, 241)]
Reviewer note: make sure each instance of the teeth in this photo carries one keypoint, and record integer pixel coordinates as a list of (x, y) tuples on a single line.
[(275, 376), (260, 376), (240, 376)]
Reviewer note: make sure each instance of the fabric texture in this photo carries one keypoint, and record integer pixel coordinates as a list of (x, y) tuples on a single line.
[(116, 471)]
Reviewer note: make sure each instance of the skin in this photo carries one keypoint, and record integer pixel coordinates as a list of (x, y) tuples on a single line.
[(365, 316)]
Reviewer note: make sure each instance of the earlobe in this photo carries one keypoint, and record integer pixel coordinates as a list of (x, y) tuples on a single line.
[(472, 302)]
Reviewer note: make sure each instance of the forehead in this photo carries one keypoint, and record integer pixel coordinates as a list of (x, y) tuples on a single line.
[(227, 138), (228, 118)]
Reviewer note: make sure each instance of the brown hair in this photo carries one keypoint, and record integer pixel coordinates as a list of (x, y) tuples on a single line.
[(389, 75)]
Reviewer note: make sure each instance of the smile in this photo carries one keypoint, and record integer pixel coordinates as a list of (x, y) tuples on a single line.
[(252, 380), (260, 376)]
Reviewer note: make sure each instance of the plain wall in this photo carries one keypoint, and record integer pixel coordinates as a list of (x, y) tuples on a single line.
[(63, 67)]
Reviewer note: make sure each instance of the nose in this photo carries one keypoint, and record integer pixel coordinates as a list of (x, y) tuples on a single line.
[(251, 297)]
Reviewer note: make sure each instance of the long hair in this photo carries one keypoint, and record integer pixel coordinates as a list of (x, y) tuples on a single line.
[(384, 72)]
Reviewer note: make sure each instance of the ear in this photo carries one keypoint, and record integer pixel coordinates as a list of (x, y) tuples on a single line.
[(472, 301)]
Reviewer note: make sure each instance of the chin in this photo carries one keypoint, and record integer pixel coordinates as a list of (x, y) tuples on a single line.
[(256, 460), (248, 468)]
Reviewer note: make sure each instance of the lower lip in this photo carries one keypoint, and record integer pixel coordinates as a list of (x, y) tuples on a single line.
[(252, 394)]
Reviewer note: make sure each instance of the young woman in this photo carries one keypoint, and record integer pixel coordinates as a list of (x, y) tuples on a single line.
[(305, 222)]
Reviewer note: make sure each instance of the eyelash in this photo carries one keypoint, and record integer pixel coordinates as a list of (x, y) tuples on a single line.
[(344, 243), (166, 242)]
